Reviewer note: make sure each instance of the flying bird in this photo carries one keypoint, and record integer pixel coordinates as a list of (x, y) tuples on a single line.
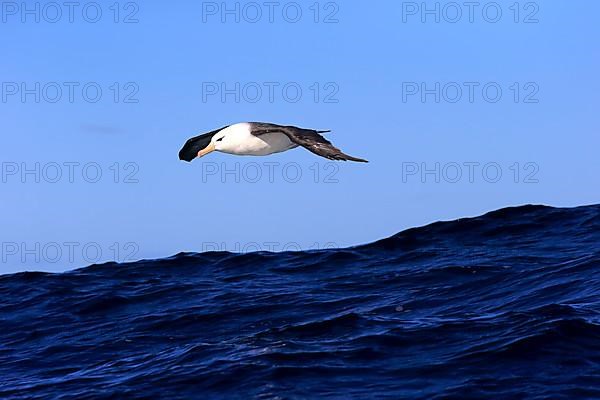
[(261, 139)]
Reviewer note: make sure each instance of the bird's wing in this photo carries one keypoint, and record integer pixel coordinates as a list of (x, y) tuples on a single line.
[(308, 138), (190, 150)]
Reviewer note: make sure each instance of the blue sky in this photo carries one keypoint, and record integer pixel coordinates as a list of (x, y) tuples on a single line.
[(361, 70)]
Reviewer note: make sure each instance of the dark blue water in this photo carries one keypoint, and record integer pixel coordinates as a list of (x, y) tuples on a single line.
[(504, 306)]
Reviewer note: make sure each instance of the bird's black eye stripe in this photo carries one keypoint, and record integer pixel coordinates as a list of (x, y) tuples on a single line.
[(218, 140)]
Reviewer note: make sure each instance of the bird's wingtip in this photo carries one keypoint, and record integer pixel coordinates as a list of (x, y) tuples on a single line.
[(356, 159), (185, 155)]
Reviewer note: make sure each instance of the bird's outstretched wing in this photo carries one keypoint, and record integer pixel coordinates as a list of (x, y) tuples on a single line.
[(190, 149), (308, 138)]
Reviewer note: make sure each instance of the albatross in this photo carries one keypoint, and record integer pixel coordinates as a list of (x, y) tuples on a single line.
[(261, 139)]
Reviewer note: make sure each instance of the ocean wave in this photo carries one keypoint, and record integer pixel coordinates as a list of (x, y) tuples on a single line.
[(506, 305)]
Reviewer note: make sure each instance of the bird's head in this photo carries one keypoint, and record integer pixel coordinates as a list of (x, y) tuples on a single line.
[(226, 140), (219, 142)]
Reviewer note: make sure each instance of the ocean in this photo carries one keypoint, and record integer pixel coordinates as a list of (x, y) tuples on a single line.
[(502, 306)]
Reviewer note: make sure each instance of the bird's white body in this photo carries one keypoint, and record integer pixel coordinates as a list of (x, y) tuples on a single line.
[(237, 139)]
